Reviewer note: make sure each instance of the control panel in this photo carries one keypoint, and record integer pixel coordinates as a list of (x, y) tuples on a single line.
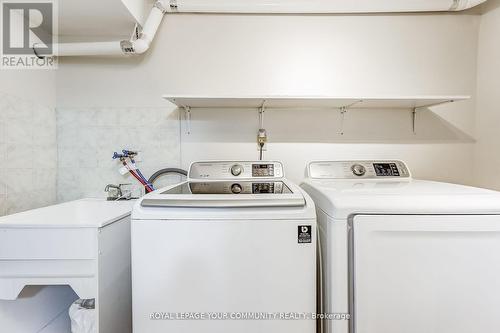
[(235, 170), (230, 187), (233, 187), (358, 170)]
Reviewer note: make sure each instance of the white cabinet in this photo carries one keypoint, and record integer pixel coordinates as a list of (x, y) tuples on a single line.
[(84, 244)]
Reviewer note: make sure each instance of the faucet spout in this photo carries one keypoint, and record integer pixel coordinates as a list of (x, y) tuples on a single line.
[(118, 189)]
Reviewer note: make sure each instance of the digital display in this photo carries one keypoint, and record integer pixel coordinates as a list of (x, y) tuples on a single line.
[(262, 170), (386, 169), (262, 188)]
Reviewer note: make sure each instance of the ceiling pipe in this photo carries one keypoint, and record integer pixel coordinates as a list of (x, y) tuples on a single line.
[(137, 45), (142, 41), (319, 6), (88, 49)]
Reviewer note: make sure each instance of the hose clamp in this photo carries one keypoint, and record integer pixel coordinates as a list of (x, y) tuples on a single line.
[(127, 47), (173, 6)]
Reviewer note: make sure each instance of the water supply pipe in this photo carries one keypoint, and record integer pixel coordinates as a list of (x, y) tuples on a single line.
[(143, 39), (137, 45), (320, 6)]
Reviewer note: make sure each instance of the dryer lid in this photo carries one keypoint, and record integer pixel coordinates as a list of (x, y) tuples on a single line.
[(343, 198)]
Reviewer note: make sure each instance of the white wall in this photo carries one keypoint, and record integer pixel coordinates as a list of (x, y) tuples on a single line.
[(27, 139), (28, 143), (88, 137), (28, 180), (332, 55), (487, 157), (34, 85)]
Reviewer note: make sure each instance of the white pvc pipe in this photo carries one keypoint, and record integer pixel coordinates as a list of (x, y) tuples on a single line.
[(149, 30), (320, 6), (88, 49), (157, 13), (115, 48), (152, 24)]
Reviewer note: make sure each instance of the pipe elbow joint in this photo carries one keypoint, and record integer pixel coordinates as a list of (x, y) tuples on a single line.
[(141, 45)]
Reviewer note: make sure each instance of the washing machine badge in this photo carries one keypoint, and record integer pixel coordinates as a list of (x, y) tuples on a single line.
[(305, 234)]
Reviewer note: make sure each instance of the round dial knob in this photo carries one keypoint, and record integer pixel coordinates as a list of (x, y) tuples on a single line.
[(236, 188), (236, 170), (358, 170)]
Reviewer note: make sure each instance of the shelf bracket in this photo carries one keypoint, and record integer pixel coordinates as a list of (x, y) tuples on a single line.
[(414, 120), (343, 111), (187, 117), (417, 108), (262, 110)]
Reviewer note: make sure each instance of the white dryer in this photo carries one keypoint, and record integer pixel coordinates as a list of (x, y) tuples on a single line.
[(404, 255), (232, 249)]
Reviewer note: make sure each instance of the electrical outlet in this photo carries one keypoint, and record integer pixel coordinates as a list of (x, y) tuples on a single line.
[(262, 139)]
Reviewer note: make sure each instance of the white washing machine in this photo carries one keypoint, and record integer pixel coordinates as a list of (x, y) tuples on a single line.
[(404, 255), (232, 249)]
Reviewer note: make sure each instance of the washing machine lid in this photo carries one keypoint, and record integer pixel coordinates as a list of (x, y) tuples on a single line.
[(229, 194), (340, 193), (229, 190)]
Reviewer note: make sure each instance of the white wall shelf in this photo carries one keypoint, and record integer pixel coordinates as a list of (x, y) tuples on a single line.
[(412, 103), (306, 102)]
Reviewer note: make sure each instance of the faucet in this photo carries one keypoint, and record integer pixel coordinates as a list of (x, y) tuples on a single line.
[(111, 195)]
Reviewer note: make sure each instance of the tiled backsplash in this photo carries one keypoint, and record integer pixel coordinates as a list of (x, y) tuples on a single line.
[(88, 137), (29, 155)]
